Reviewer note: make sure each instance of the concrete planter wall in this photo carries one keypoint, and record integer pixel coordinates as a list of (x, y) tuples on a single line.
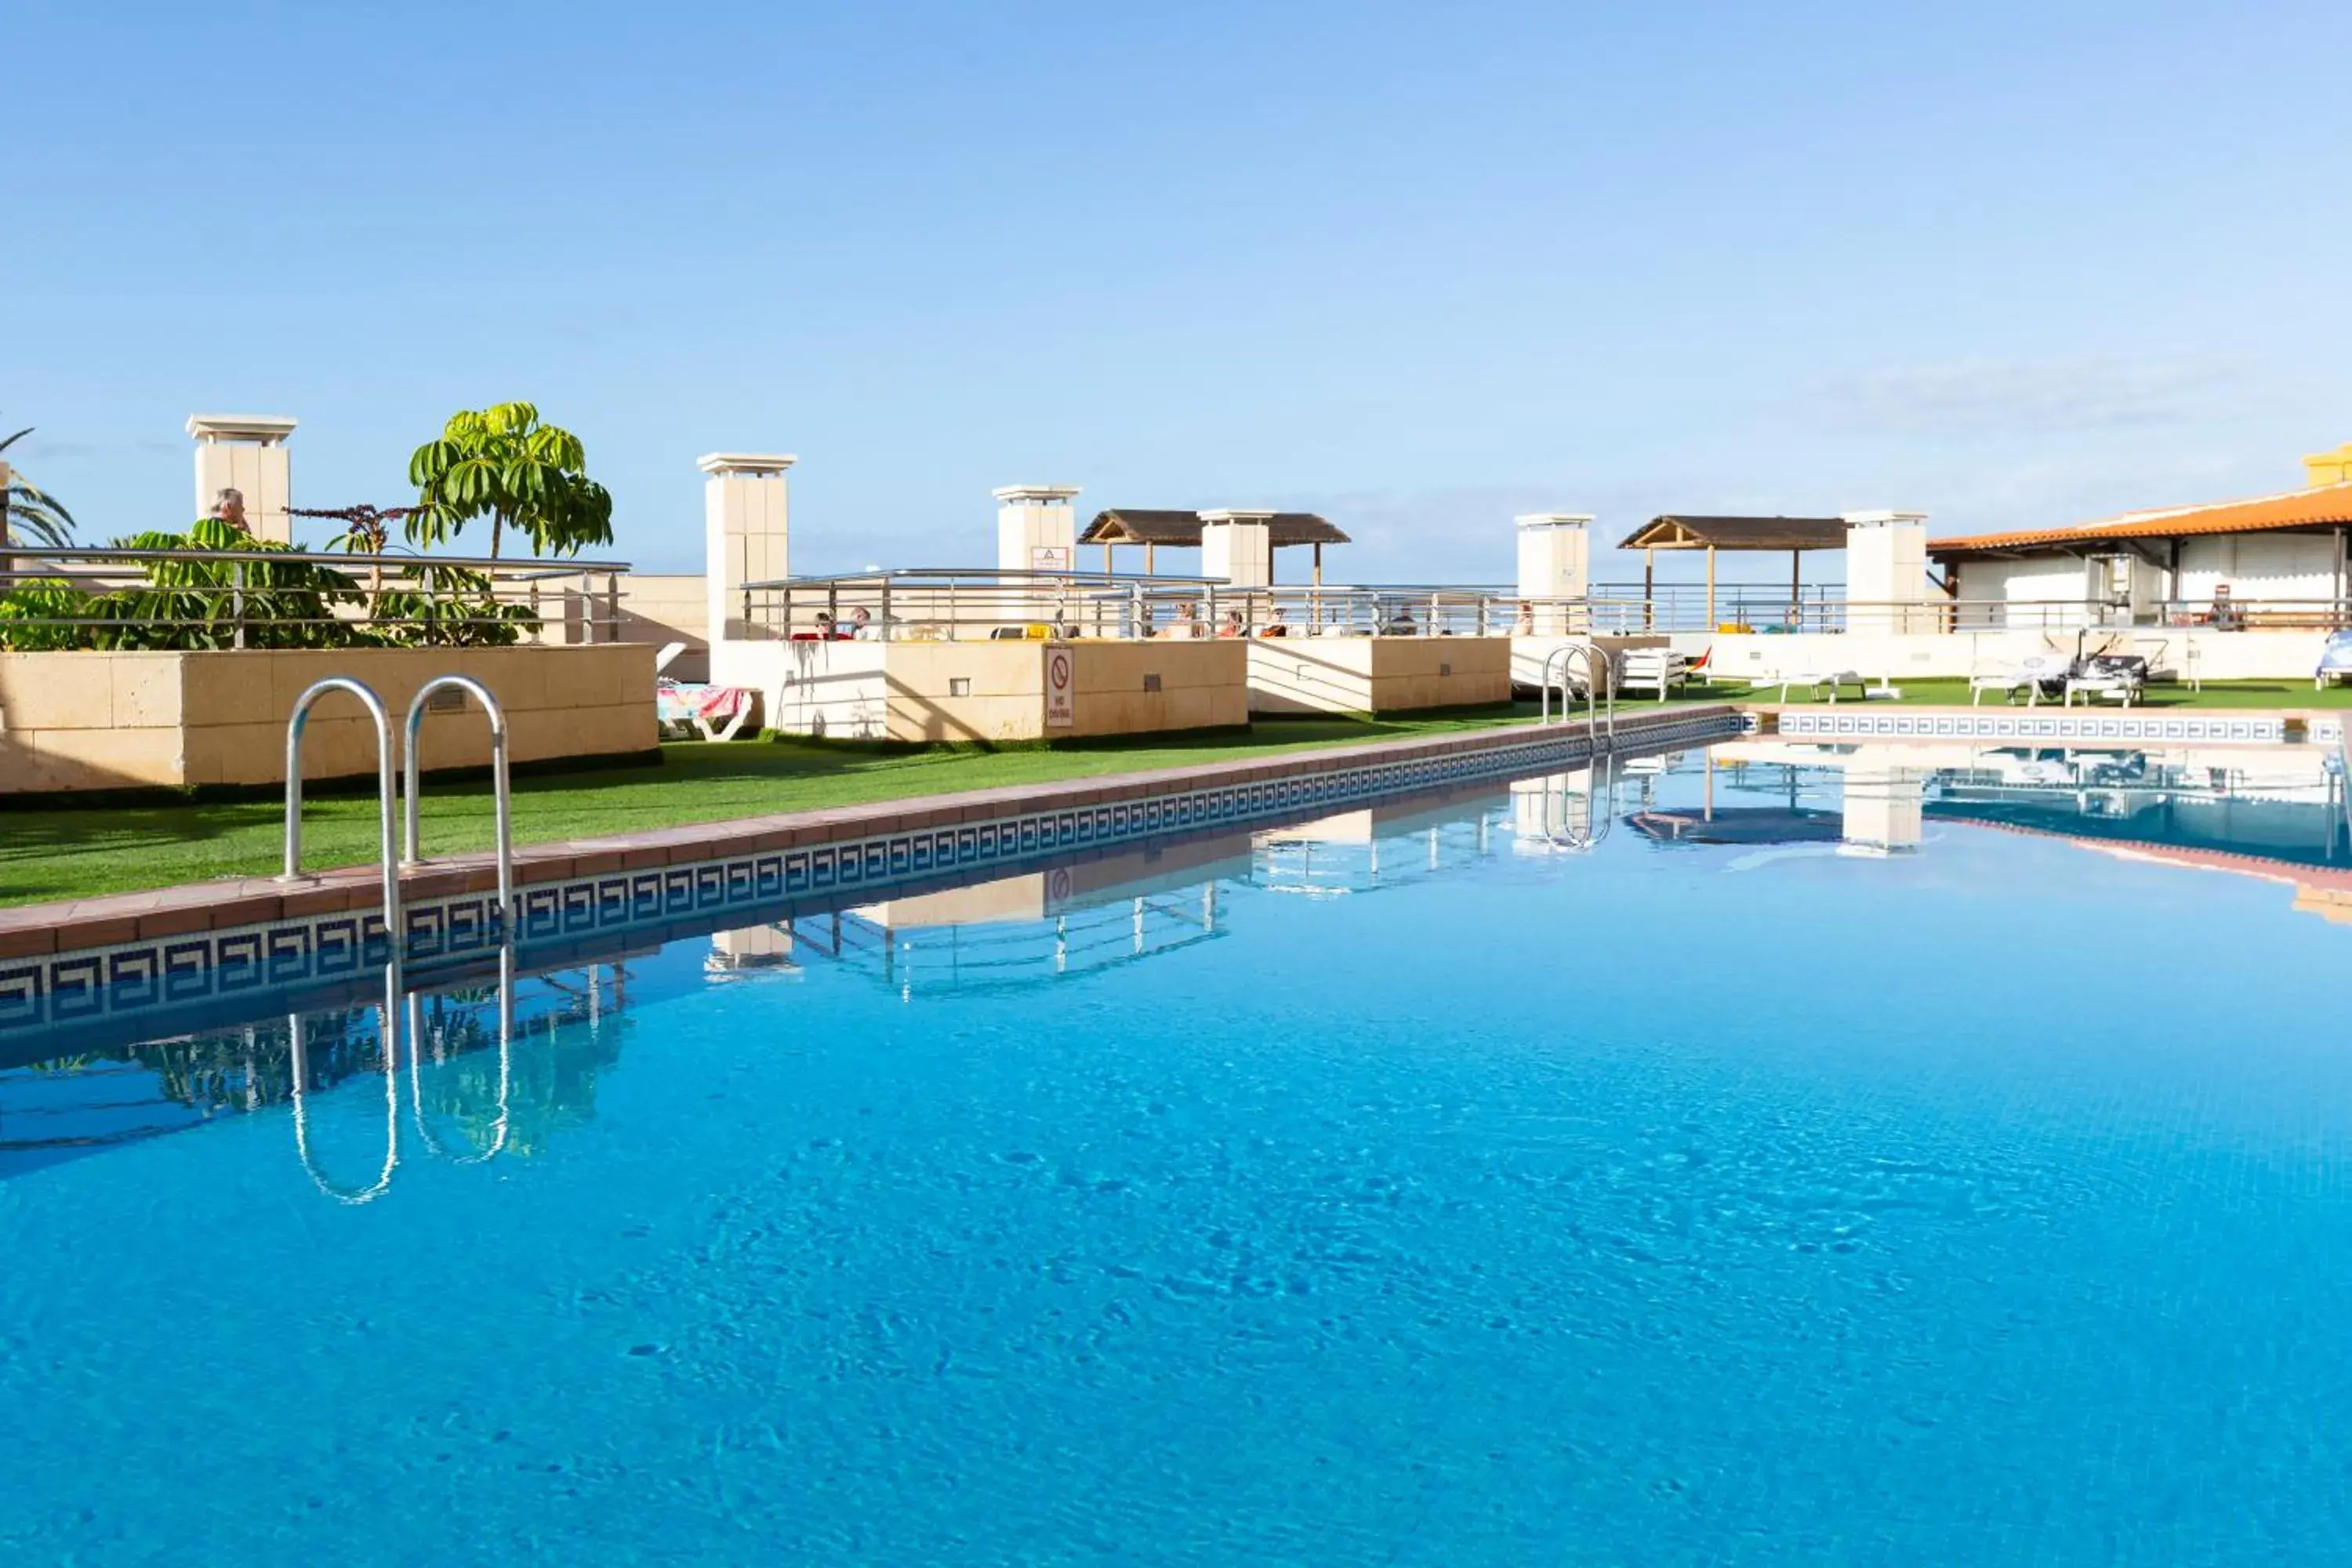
[(91, 721), (1375, 675), (917, 692)]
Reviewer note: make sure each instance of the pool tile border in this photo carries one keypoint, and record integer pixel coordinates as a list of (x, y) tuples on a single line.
[(1857, 721), (144, 954)]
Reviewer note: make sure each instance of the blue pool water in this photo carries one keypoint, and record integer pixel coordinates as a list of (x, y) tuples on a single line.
[(1409, 1187)]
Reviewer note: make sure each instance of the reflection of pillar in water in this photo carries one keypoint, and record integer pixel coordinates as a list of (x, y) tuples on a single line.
[(1884, 807), (1432, 848), (1208, 906), (1138, 925), (1061, 944), (751, 947)]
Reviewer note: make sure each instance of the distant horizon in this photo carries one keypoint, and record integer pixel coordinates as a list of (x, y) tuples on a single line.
[(2012, 266)]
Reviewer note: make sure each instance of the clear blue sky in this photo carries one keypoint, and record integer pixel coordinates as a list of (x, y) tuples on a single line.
[(1420, 268)]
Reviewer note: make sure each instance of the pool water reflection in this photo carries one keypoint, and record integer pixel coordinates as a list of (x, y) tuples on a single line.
[(1815, 1155)]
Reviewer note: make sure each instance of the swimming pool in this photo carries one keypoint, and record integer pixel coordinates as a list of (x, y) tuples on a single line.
[(1832, 1155)]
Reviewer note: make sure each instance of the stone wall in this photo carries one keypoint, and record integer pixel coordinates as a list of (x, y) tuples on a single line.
[(1376, 675), (88, 721), (933, 692)]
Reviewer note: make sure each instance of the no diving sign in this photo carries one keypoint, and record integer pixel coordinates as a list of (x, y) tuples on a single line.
[(1061, 709)]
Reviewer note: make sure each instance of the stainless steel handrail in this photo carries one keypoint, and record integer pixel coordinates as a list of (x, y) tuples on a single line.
[(1600, 672), (502, 794), (383, 778), (521, 569)]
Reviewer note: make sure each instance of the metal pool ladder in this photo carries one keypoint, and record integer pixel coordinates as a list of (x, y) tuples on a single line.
[(502, 795), (1600, 673), (294, 727)]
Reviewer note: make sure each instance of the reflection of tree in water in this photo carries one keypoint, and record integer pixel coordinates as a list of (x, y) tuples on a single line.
[(553, 1061), (566, 1033), (251, 1068)]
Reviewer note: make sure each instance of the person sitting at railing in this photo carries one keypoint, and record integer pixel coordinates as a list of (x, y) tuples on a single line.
[(229, 507), (1188, 620), (1232, 626), (866, 628), (1276, 626)]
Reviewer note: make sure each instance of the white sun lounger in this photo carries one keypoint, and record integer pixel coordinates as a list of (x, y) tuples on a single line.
[(1813, 681)]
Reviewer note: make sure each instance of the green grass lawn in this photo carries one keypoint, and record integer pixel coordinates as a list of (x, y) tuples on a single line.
[(83, 852)]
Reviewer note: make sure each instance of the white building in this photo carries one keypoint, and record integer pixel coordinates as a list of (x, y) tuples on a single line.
[(2277, 561)]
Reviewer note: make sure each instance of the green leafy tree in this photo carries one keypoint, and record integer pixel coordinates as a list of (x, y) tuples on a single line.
[(503, 464), (27, 511)]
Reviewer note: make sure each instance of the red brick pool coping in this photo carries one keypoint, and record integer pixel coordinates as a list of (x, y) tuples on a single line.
[(231, 902)]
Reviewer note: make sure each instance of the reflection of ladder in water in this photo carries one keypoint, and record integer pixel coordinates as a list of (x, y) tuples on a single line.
[(1583, 818), (2341, 783), (398, 999)]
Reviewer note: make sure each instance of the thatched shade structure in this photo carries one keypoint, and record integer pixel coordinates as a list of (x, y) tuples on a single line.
[(1181, 530)]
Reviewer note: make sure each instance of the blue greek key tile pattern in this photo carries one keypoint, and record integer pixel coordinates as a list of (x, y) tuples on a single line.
[(2025, 724), (137, 978)]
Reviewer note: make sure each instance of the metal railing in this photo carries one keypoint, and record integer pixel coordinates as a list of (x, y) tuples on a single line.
[(502, 795), (105, 597), (1600, 678), (294, 728)]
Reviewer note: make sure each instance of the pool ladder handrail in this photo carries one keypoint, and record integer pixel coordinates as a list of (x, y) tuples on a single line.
[(295, 725), (501, 793), (1600, 680)]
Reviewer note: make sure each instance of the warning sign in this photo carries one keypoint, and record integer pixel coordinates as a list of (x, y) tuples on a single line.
[(1061, 709)]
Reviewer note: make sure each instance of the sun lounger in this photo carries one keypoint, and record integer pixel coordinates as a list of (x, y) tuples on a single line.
[(1814, 681), (716, 712), (1658, 669), (2335, 660)]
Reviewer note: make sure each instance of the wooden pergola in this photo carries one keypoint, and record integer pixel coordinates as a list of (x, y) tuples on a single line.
[(1182, 530), (1794, 534)]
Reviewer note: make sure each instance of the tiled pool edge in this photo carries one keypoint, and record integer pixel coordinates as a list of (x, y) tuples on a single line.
[(138, 954), (1863, 721)]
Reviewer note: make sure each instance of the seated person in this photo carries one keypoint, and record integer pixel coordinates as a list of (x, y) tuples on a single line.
[(1275, 627), (1232, 626)]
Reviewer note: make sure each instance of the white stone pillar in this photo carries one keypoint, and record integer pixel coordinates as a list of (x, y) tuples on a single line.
[(1886, 572), (744, 532), (245, 453), (1036, 531), (1036, 528), (1555, 563), (1238, 546)]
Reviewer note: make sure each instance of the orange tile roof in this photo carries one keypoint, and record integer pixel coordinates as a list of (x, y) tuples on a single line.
[(2298, 509)]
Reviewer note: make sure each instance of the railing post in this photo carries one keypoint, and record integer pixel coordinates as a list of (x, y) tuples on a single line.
[(613, 607), (237, 599)]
